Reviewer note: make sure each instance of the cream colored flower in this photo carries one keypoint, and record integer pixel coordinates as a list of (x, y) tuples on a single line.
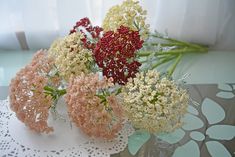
[(154, 104), (129, 14), (71, 58)]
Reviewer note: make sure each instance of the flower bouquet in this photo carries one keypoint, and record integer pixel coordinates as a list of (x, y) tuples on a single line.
[(107, 76)]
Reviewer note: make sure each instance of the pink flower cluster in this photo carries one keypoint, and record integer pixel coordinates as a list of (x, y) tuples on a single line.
[(95, 116), (27, 98)]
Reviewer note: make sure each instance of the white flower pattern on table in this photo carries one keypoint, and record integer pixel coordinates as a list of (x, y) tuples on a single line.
[(227, 91), (214, 114)]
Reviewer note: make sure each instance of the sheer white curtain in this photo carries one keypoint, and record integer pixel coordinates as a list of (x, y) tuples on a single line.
[(210, 22), (29, 24)]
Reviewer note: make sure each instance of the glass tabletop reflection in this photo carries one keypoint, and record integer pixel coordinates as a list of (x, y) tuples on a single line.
[(209, 127)]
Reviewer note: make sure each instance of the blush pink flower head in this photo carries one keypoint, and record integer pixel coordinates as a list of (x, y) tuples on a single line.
[(95, 116), (27, 99)]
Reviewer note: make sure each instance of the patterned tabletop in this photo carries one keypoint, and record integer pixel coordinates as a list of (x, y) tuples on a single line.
[(209, 128)]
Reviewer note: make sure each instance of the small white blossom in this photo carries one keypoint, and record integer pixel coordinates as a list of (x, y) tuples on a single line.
[(154, 104), (71, 58)]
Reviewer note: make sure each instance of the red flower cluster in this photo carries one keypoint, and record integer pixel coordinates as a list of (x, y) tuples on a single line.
[(91, 34), (115, 54)]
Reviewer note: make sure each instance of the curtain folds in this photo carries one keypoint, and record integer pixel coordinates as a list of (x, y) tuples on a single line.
[(28, 24)]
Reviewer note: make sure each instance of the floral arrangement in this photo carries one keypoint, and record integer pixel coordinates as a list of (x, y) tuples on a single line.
[(106, 75)]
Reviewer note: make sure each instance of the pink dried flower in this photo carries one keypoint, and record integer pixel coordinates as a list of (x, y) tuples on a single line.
[(97, 115), (27, 98)]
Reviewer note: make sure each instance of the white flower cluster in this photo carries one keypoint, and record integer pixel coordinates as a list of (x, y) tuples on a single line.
[(71, 58), (129, 14), (154, 104)]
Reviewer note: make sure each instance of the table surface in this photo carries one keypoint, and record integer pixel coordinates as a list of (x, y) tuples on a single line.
[(212, 67), (208, 74), (204, 94)]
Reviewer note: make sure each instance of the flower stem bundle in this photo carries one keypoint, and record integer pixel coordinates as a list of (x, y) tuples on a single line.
[(165, 50)]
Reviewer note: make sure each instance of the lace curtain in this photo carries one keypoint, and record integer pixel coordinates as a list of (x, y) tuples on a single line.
[(28, 24)]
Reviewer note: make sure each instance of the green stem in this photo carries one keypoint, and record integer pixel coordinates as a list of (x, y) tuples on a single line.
[(165, 56), (163, 44), (144, 53), (177, 42), (136, 25), (176, 51), (184, 50), (196, 46), (54, 92), (143, 61), (162, 61), (61, 92), (172, 69)]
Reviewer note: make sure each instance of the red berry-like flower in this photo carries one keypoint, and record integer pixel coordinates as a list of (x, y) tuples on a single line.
[(115, 53), (91, 34)]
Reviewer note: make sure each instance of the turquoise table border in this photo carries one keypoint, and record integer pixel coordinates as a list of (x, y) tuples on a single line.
[(207, 68)]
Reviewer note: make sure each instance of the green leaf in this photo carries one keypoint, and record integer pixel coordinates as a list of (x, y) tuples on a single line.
[(100, 96), (61, 92), (48, 88), (47, 92), (136, 140), (119, 91), (103, 100)]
